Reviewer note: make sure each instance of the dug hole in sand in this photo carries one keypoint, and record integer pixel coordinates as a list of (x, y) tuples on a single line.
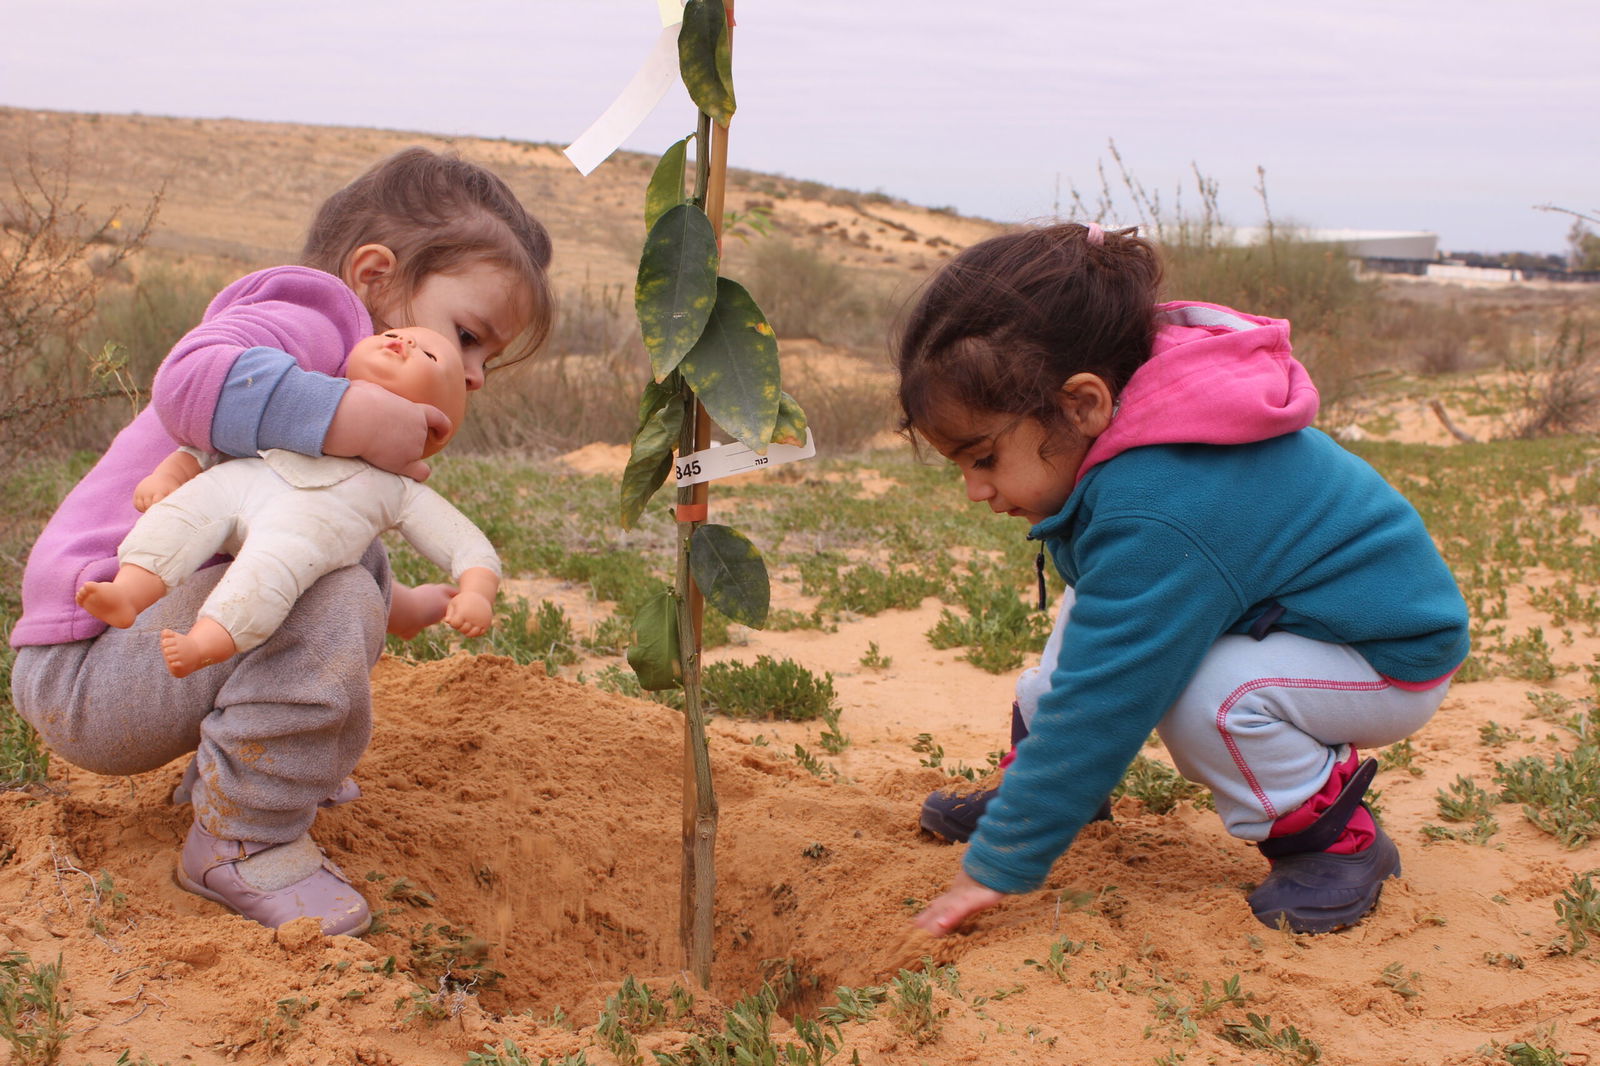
[(521, 834)]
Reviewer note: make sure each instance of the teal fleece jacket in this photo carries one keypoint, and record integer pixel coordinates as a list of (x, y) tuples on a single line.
[(1170, 543)]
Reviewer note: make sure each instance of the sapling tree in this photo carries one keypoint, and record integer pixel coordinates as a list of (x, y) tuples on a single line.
[(713, 358)]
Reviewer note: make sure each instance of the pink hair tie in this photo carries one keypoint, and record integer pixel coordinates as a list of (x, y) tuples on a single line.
[(1094, 234)]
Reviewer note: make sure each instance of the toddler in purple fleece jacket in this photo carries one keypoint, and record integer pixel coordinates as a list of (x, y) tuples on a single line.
[(422, 239)]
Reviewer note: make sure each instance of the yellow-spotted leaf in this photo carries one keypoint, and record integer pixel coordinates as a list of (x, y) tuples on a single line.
[(665, 190), (733, 368), (677, 285), (654, 653), (650, 461), (791, 427), (657, 394), (705, 58), (731, 574)]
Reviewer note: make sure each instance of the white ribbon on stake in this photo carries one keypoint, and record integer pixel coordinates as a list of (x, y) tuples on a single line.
[(637, 100)]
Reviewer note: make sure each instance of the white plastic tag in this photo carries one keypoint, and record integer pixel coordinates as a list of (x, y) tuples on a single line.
[(637, 100), (726, 460)]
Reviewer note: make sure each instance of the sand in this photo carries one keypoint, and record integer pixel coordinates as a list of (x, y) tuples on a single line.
[(535, 822)]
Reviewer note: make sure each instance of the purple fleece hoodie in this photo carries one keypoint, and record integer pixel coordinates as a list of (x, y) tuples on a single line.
[(264, 369)]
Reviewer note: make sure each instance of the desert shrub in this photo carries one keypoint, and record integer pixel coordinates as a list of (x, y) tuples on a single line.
[(1434, 337), (1279, 273), (1557, 389), (866, 589), (806, 294), (554, 402), (846, 415), (999, 629), (768, 688)]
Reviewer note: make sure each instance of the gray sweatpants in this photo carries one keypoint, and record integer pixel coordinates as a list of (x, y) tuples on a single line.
[(1263, 723), (274, 729)]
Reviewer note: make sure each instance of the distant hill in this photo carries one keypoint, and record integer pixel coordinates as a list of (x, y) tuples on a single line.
[(243, 192)]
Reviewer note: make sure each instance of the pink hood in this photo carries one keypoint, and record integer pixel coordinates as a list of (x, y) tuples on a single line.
[(1215, 376)]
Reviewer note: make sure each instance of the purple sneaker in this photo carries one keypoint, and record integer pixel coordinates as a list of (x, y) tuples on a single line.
[(207, 868)]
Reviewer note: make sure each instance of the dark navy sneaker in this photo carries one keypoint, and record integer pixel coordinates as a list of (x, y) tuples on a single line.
[(1318, 892), (955, 817), (1313, 890)]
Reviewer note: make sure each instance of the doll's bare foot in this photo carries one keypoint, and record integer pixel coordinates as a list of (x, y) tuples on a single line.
[(205, 643), (105, 601), (118, 602)]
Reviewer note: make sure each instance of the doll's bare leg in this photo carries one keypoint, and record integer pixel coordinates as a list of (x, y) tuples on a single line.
[(118, 602), (205, 643)]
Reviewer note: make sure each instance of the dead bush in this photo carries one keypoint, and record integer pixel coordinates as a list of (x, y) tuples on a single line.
[(1557, 389), (55, 257)]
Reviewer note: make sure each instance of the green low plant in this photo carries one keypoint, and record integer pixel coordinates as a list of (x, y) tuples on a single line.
[(24, 760), (865, 589), (1578, 912), (1256, 1033), (1400, 981), (1525, 1053), (1058, 960), (910, 1004), (1561, 797), (746, 1039), (854, 1004), (1464, 802), (33, 1012), (768, 688), (279, 1027), (832, 740), (999, 629), (507, 1053), (1159, 786), (874, 659)]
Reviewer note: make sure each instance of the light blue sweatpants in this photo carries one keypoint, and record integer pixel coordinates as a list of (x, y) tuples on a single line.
[(1263, 722)]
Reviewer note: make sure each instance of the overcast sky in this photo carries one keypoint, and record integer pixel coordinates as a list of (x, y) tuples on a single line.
[(1456, 117)]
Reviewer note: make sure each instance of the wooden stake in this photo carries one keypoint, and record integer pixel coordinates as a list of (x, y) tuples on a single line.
[(697, 898)]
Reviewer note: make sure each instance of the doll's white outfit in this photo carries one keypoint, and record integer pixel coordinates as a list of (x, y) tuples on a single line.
[(287, 519)]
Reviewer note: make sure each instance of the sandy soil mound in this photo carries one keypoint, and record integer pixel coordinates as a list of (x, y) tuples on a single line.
[(519, 838)]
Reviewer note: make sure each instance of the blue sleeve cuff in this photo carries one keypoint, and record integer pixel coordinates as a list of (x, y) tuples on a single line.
[(269, 401)]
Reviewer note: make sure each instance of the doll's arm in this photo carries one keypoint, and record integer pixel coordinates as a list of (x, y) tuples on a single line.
[(411, 610), (172, 472), (448, 539), (471, 610)]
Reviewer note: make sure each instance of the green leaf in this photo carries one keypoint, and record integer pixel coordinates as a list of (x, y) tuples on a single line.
[(677, 285), (705, 58), (665, 190), (654, 653), (650, 461), (791, 426), (733, 367), (731, 574), (657, 394)]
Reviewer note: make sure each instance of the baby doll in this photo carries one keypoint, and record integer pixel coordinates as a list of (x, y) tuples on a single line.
[(287, 519)]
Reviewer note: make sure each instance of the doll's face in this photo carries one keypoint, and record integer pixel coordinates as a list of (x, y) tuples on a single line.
[(419, 364)]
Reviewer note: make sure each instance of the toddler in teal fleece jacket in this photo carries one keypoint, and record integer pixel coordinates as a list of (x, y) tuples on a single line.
[(1237, 581)]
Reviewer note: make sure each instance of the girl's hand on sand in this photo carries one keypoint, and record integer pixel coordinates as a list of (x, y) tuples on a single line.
[(964, 898), (386, 430)]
